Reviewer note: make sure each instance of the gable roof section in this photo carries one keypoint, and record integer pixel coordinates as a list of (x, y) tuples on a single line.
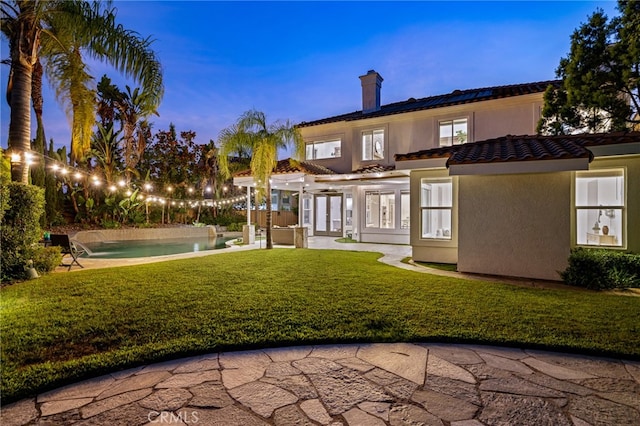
[(518, 148), (519, 153), (457, 97), (289, 167)]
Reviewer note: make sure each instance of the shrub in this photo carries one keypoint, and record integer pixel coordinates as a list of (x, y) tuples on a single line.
[(110, 224), (20, 231), (46, 259), (227, 219), (600, 269)]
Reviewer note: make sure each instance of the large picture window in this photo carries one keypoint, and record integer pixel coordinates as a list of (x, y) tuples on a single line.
[(436, 203), (323, 149), (380, 210), (373, 145), (600, 207), (453, 132)]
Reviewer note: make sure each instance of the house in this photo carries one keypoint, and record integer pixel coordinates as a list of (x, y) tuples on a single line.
[(367, 197), (442, 174)]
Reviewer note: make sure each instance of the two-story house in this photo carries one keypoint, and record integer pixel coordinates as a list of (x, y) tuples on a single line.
[(446, 175), (368, 197)]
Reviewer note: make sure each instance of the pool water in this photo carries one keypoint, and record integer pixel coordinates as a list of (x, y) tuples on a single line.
[(149, 248)]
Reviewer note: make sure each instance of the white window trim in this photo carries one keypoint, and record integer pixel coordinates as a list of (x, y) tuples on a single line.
[(448, 117), (321, 141), (432, 208), (384, 143), (623, 207)]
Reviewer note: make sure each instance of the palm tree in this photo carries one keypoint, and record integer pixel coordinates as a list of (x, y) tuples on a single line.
[(251, 132), (59, 33)]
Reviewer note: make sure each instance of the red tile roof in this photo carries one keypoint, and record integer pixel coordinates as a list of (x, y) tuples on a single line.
[(523, 148), (457, 97), (291, 166), (374, 168)]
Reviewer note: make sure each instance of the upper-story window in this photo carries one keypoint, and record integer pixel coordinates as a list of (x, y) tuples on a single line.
[(453, 132), (373, 145), (323, 149)]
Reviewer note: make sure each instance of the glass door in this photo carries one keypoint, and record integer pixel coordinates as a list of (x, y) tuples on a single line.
[(328, 209)]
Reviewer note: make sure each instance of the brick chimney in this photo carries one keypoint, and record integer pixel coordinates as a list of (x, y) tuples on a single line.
[(371, 83)]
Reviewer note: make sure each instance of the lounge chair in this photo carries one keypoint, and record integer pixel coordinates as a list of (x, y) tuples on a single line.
[(68, 249)]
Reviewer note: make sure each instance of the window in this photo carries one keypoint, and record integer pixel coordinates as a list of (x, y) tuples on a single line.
[(380, 210), (306, 210), (436, 201), (373, 145), (453, 132), (323, 149), (348, 208), (600, 207), (405, 208)]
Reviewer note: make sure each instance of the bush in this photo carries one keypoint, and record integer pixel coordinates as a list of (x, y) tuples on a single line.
[(110, 224), (46, 259), (227, 219), (20, 231), (599, 269)]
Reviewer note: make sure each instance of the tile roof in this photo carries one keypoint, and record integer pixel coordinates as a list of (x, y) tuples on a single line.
[(291, 166), (457, 97), (374, 168), (523, 148)]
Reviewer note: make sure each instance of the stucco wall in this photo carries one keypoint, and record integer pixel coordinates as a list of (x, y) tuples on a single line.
[(418, 130), (515, 225)]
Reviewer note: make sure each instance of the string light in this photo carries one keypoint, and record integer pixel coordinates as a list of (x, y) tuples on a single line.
[(78, 175)]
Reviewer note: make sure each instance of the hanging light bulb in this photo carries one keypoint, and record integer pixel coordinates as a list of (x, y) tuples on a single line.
[(78, 175), (121, 183), (112, 188)]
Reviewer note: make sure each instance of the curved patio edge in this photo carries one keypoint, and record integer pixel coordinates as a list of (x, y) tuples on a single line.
[(352, 384)]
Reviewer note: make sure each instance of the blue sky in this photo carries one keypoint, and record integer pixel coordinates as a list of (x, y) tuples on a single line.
[(301, 60)]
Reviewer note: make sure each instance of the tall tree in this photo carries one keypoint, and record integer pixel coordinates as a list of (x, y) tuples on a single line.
[(59, 33), (600, 77), (252, 132)]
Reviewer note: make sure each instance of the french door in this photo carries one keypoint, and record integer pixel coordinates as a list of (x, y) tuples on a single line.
[(328, 212)]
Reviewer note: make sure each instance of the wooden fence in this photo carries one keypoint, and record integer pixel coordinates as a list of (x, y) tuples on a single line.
[(278, 218)]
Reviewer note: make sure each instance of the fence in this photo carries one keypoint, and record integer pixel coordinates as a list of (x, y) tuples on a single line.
[(278, 218)]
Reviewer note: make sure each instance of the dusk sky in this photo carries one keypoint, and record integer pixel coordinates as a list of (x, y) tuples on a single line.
[(301, 60)]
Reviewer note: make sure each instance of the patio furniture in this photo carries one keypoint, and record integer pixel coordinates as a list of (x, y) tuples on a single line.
[(68, 249)]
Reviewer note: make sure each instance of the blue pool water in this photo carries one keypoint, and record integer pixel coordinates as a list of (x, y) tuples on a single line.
[(148, 248)]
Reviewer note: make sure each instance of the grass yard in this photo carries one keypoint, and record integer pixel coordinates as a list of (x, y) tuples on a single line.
[(67, 326)]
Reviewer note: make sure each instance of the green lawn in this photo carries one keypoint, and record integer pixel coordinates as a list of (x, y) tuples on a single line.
[(67, 326)]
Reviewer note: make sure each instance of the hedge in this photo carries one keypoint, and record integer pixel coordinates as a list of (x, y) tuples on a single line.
[(20, 233), (600, 269)]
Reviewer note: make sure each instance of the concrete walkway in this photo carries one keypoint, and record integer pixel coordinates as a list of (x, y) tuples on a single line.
[(352, 385), (349, 385)]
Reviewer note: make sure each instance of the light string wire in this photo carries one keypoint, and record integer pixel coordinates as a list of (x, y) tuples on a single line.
[(144, 187)]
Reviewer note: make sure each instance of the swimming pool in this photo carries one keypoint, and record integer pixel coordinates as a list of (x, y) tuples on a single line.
[(153, 247)]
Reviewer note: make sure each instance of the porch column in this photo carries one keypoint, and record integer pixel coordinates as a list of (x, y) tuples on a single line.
[(300, 204), (248, 204)]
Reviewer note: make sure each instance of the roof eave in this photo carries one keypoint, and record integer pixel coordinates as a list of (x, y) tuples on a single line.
[(520, 167)]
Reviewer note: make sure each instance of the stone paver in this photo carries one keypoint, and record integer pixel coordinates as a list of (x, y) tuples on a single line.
[(370, 384)]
